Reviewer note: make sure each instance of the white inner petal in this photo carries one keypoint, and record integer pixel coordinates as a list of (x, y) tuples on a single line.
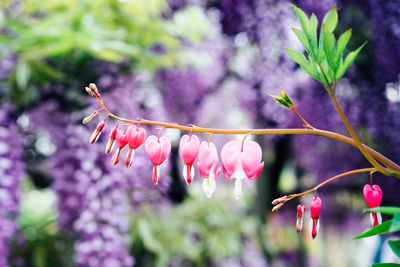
[(131, 157), (209, 186), (185, 173), (158, 173), (238, 188)]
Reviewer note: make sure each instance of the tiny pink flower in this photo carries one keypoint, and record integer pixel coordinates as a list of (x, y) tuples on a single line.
[(315, 209), (189, 148), (96, 134), (373, 196), (110, 143), (121, 141), (135, 137), (158, 150), (208, 166), (300, 212), (241, 160)]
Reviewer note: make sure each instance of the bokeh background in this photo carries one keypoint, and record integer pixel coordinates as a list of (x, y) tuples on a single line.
[(209, 63)]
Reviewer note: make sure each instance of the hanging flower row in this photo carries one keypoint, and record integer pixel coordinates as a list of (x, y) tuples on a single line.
[(240, 160)]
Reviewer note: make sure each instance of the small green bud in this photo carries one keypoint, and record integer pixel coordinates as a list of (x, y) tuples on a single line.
[(283, 99), (90, 117)]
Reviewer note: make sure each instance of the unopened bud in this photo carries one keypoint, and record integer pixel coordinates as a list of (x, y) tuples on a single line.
[(89, 91), (96, 134), (279, 200), (299, 222), (94, 90), (277, 207), (111, 140), (90, 117)]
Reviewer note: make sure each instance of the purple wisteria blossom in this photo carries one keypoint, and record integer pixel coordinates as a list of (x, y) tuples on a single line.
[(12, 172)]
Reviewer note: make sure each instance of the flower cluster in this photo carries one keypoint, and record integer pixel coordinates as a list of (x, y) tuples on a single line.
[(240, 160), (12, 170)]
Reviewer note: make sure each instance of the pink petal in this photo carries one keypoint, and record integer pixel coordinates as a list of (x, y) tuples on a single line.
[(157, 149), (372, 195), (230, 156), (207, 159), (135, 136), (189, 148), (251, 158)]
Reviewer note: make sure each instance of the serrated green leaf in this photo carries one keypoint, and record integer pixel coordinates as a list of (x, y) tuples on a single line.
[(347, 62), (302, 18), (385, 265), (385, 210), (329, 46), (382, 228), (331, 19), (395, 246), (300, 59), (303, 39), (341, 45)]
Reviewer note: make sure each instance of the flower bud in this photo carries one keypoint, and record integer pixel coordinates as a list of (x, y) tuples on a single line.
[(110, 143), (315, 209), (94, 90), (277, 207), (90, 117), (279, 200), (300, 212), (96, 134)]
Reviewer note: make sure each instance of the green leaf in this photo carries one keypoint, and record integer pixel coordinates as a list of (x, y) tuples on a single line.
[(300, 59), (303, 39), (22, 73), (385, 210), (347, 62), (341, 45), (382, 228), (331, 19), (395, 224), (302, 18), (385, 265), (395, 246), (313, 25), (329, 46)]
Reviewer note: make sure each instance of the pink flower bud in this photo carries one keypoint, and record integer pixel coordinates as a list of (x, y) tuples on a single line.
[(135, 137), (315, 208), (110, 143), (158, 150), (373, 196), (299, 222), (189, 148), (96, 134), (208, 166), (90, 117), (241, 160), (120, 139), (94, 90)]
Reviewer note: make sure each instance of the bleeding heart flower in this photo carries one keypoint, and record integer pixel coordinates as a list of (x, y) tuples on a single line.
[(135, 137), (241, 160), (157, 150), (299, 222), (110, 143), (120, 139), (315, 209), (208, 166), (96, 134), (189, 148), (373, 196)]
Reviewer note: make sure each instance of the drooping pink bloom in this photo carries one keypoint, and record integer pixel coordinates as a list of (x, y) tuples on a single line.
[(189, 148), (96, 134), (300, 212), (373, 196), (241, 160), (121, 141), (157, 150), (315, 209), (110, 143), (135, 137), (208, 166)]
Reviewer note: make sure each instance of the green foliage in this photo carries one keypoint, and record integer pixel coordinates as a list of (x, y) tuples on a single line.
[(324, 61), (49, 36), (196, 232), (389, 226)]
